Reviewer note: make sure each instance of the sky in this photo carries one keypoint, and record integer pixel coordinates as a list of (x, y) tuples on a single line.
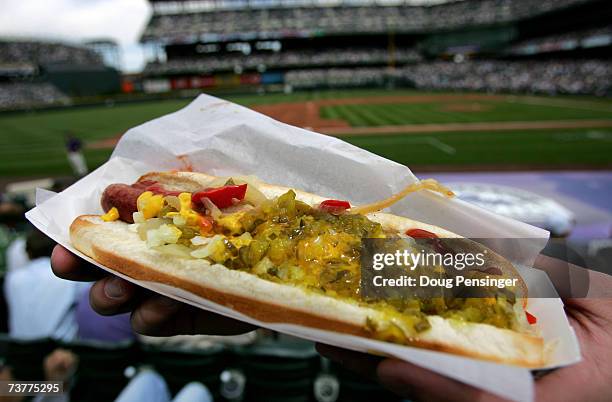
[(78, 20)]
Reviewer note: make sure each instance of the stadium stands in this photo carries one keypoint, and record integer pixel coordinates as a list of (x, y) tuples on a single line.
[(337, 78), (181, 22), (101, 369), (332, 44), (589, 38), (40, 53), (288, 59), (551, 77), (273, 370), (15, 95), (23, 64)]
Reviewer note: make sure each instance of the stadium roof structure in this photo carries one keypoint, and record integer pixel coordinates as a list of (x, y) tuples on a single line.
[(296, 3), (191, 6), (101, 41)]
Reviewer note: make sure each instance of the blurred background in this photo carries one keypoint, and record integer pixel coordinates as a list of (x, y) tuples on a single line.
[(506, 101)]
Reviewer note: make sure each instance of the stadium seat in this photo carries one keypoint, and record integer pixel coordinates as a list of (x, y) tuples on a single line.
[(26, 357), (180, 366), (281, 370), (355, 388), (100, 374)]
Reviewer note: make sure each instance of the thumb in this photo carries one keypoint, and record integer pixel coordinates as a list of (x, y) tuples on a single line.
[(419, 384)]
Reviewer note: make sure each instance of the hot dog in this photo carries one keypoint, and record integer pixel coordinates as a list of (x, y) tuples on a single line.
[(279, 255)]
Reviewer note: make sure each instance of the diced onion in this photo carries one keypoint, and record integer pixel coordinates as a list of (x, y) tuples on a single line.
[(138, 217), (200, 240), (253, 195), (263, 266), (215, 212), (218, 182), (174, 250), (149, 224), (216, 242), (179, 220), (165, 234)]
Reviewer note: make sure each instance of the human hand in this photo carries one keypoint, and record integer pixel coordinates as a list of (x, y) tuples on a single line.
[(151, 314), (587, 381), (60, 365)]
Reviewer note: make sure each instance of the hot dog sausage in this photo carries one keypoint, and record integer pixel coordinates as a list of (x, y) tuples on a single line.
[(123, 197)]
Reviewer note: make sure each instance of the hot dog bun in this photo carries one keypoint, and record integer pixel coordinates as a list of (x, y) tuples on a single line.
[(115, 246)]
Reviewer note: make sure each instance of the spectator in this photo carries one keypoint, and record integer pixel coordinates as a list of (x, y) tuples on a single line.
[(39, 304), (16, 255), (150, 386), (59, 365)]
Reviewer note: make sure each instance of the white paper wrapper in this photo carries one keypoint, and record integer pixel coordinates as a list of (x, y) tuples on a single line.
[(222, 138)]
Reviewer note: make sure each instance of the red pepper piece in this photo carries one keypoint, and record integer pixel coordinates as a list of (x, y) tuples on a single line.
[(222, 196), (421, 234), (531, 319), (334, 207)]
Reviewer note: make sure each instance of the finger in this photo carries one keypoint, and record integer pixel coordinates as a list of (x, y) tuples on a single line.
[(113, 295), (68, 266), (162, 316), (417, 383), (360, 363)]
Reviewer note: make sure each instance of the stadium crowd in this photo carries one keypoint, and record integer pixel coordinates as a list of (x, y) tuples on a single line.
[(286, 59), (20, 83), (372, 18), (337, 77), (37, 52), (601, 36), (551, 77), (15, 95)]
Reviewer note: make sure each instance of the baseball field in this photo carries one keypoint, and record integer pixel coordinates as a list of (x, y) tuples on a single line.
[(427, 131)]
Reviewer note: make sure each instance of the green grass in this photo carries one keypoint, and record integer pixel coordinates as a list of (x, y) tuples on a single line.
[(31, 144), (542, 147), (268, 99), (438, 113)]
